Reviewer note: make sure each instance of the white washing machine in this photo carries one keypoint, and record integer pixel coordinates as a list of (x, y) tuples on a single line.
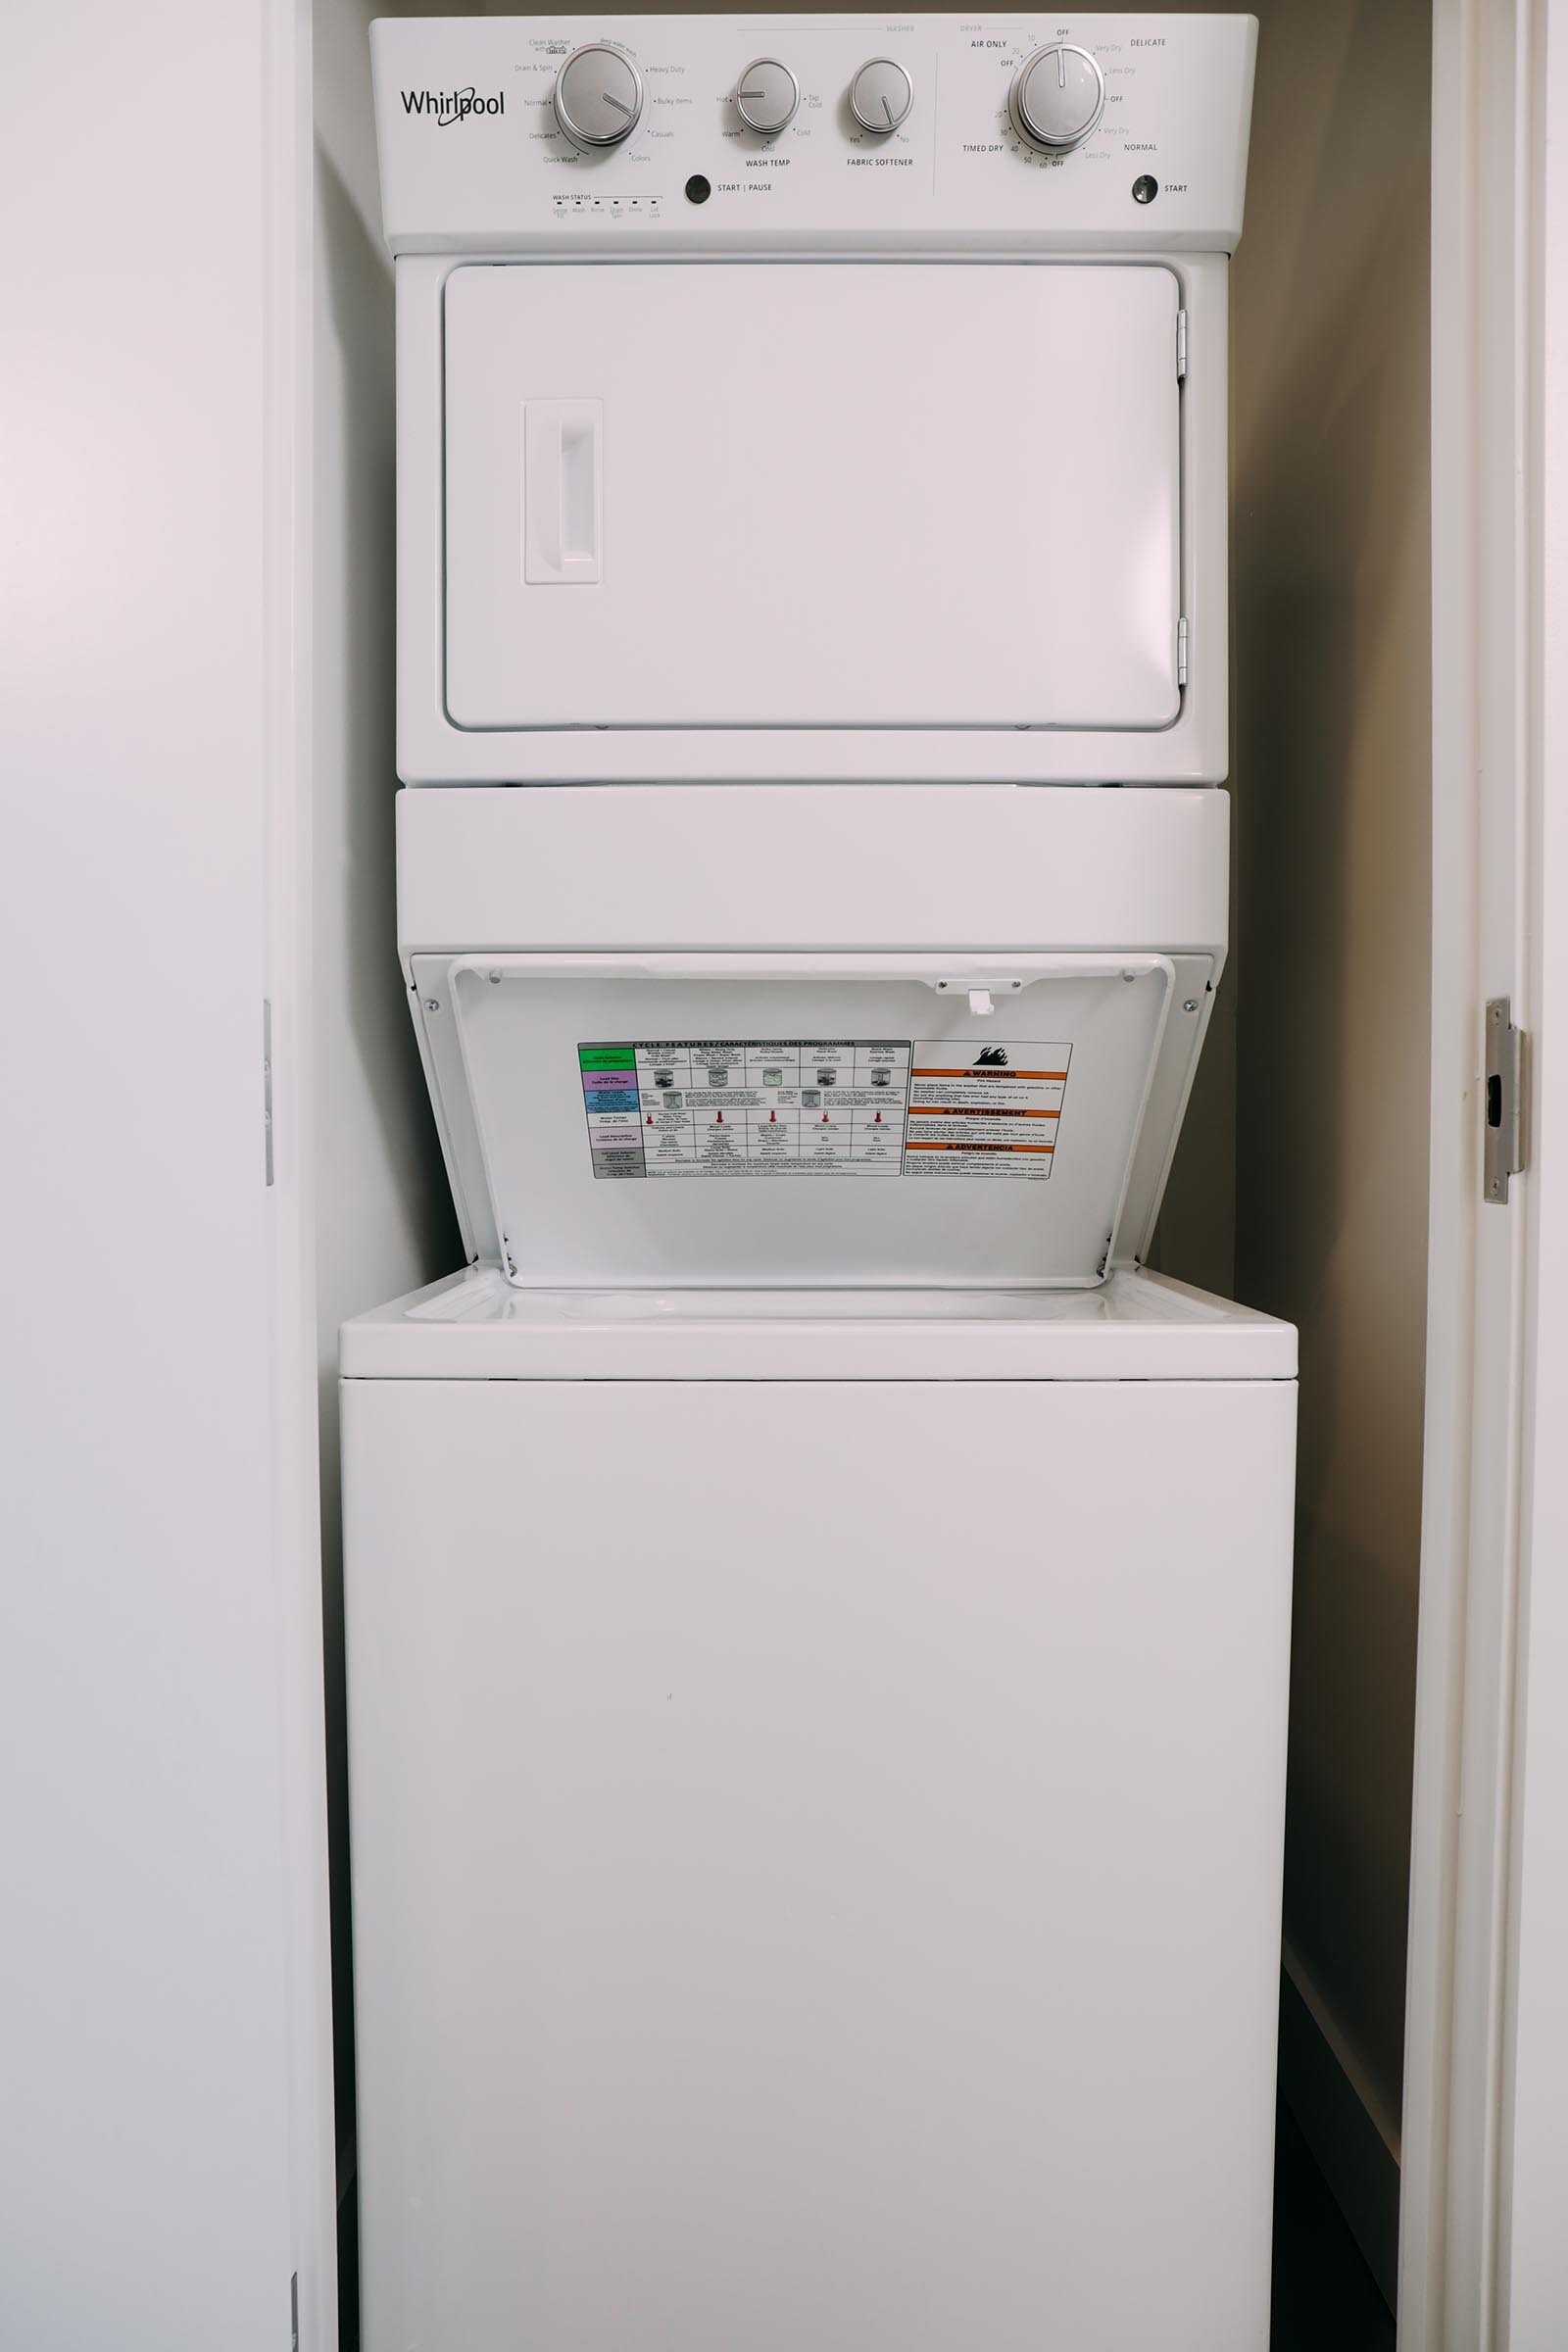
[(818, 1608), (817, 1630), (817, 1772)]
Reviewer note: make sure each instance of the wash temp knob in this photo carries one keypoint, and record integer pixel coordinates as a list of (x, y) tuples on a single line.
[(766, 96), (598, 96), (881, 96), (1057, 97)]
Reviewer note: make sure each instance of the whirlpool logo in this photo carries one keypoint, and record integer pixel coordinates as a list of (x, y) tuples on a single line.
[(452, 106), (993, 1057)]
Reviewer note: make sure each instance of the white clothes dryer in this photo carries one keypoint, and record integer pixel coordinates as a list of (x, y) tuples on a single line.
[(856, 412)]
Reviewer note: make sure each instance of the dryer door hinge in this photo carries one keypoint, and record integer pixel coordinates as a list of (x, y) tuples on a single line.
[(1502, 1153), (1181, 652), (1181, 347), (266, 1083), (294, 2312)]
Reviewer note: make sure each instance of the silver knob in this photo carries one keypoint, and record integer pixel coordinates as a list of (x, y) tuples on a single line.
[(598, 96), (766, 96), (881, 96), (1057, 98)]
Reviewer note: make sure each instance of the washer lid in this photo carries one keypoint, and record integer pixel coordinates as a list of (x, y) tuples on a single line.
[(475, 1326), (772, 1122)]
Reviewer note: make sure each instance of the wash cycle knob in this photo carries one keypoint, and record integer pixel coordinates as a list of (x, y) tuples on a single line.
[(1057, 97), (881, 96), (766, 96), (598, 96)]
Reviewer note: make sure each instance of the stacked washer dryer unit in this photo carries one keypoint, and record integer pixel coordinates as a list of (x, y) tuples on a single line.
[(817, 1608)]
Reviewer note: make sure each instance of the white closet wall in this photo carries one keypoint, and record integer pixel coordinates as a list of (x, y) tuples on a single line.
[(163, 2053)]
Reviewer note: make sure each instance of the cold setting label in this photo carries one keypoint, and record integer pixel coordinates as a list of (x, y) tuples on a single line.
[(833, 1107)]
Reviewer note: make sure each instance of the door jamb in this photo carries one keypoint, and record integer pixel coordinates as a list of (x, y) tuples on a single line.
[(1470, 2269)]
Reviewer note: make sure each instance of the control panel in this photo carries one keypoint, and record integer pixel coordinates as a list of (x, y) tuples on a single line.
[(524, 134)]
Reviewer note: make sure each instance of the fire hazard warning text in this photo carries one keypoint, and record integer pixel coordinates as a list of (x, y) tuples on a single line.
[(987, 1111)]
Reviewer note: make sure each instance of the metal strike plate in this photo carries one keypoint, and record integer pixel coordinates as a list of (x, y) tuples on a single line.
[(1502, 1154)]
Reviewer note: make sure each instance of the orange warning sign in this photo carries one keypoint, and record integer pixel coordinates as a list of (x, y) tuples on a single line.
[(991, 1110)]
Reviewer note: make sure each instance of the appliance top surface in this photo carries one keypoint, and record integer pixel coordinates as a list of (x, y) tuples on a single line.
[(1134, 1326), (702, 135)]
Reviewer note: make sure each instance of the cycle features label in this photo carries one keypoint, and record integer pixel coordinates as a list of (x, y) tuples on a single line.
[(988, 1110), (824, 1106), (769, 1107)]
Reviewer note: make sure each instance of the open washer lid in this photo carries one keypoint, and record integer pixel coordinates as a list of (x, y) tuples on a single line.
[(784, 1120)]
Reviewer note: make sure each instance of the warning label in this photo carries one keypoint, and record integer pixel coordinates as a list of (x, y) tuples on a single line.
[(834, 1106), (993, 1115)]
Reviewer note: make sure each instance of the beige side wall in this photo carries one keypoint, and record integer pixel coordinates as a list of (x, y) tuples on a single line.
[(1332, 764)]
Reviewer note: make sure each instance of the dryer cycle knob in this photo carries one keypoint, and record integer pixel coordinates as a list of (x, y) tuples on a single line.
[(1057, 97), (598, 96), (766, 96), (881, 96)]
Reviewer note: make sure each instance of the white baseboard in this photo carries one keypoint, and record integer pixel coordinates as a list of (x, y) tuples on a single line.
[(1355, 2146)]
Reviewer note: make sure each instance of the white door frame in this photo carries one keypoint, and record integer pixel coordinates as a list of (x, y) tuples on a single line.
[(1536, 2125), (1483, 2259)]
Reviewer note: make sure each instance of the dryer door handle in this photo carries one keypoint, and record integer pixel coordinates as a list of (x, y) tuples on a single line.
[(562, 491)]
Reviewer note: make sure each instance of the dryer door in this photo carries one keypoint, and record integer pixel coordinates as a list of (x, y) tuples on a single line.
[(811, 495)]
